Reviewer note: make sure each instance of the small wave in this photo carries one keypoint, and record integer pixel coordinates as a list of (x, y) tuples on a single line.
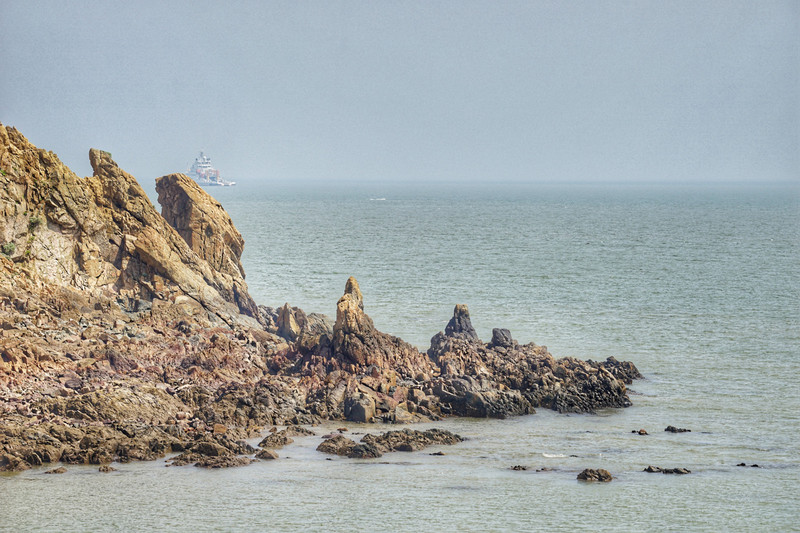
[(377, 199), (551, 455)]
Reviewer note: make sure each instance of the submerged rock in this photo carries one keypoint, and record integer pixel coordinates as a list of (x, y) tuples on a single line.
[(223, 462), (659, 470), (673, 429), (409, 440)]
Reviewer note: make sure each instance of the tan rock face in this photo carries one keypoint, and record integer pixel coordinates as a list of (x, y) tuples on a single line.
[(350, 316), (202, 222), (101, 234), (356, 341)]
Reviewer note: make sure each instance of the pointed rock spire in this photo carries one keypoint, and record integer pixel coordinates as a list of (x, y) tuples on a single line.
[(357, 342), (460, 325)]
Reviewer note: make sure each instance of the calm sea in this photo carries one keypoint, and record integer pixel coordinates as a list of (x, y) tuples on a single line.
[(697, 285)]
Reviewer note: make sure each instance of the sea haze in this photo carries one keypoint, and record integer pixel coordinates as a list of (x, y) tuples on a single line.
[(697, 285)]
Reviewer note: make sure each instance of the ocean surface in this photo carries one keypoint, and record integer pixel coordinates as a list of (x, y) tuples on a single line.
[(699, 286)]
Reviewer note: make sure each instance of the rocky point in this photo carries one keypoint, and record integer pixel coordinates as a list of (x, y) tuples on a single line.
[(129, 334)]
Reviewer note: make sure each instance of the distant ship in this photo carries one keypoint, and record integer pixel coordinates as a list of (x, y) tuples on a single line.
[(204, 174)]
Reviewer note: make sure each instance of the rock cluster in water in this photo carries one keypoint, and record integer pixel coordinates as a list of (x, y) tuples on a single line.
[(128, 334)]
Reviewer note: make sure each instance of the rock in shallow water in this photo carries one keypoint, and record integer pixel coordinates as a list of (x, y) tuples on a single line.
[(673, 429), (336, 445), (268, 455), (139, 349), (600, 474), (659, 470)]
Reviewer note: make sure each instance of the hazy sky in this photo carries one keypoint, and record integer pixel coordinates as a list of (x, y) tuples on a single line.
[(402, 91)]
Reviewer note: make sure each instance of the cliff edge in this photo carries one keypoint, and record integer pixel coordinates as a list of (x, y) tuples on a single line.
[(101, 235)]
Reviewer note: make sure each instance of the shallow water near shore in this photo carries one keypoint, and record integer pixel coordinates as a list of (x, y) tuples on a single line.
[(698, 286)]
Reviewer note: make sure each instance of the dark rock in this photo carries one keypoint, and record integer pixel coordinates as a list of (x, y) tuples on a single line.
[(659, 470), (673, 429), (223, 462), (595, 475), (519, 467), (564, 385), (640, 432), (336, 445), (465, 396), (269, 317), (501, 338), (408, 440), (624, 371), (107, 468), (59, 470), (276, 440), (298, 431), (460, 326), (364, 451), (359, 408)]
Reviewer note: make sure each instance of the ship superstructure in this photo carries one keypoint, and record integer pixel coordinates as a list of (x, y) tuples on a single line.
[(205, 174)]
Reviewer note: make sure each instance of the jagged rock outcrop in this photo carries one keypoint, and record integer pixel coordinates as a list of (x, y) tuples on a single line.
[(460, 326), (305, 330), (202, 222), (358, 345), (505, 377), (127, 335), (209, 232), (102, 235)]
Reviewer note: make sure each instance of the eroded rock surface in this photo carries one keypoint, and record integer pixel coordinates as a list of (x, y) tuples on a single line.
[(128, 335), (591, 474), (102, 236)]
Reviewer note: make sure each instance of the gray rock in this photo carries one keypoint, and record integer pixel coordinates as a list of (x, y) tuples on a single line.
[(502, 338), (359, 408), (460, 325)]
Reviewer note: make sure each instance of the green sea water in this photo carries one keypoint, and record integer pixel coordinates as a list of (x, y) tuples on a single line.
[(697, 285)]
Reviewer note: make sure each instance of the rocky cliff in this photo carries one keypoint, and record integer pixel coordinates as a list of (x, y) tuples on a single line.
[(127, 334), (102, 235)]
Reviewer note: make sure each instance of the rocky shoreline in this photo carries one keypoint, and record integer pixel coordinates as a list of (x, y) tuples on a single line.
[(129, 334)]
